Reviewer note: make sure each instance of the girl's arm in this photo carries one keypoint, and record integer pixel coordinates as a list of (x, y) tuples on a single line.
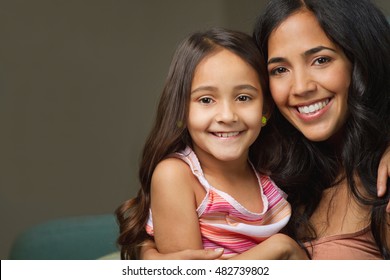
[(383, 174), (173, 203)]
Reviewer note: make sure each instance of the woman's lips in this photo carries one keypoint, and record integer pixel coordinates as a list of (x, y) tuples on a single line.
[(312, 108)]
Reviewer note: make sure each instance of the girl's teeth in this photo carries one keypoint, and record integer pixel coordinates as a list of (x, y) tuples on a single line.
[(313, 107), (226, 134)]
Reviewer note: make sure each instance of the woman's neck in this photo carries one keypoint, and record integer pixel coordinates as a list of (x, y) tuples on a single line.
[(336, 141), (339, 212)]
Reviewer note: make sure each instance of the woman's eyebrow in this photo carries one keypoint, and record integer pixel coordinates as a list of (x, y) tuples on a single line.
[(276, 60), (317, 49), (306, 53)]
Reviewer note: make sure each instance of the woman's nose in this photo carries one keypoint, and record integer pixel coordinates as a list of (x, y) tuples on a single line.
[(302, 83)]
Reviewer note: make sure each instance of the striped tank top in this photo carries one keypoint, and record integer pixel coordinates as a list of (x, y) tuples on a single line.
[(225, 223)]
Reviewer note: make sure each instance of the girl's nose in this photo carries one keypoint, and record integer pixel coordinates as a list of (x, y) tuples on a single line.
[(226, 113)]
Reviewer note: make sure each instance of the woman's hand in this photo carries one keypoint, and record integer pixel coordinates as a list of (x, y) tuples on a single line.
[(383, 174), (149, 252)]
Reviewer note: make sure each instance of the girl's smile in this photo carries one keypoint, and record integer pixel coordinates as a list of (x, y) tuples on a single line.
[(225, 107), (226, 134)]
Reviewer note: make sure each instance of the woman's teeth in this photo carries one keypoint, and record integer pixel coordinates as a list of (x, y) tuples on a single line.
[(226, 134), (313, 107)]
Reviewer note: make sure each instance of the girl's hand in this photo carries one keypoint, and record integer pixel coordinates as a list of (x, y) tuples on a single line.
[(149, 252), (383, 174)]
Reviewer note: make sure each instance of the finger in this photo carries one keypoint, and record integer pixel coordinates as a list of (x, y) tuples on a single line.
[(383, 174), (207, 254)]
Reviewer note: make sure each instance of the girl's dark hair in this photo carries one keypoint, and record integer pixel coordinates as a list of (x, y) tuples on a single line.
[(169, 133), (305, 168)]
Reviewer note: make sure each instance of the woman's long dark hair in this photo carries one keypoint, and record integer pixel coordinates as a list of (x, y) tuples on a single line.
[(169, 133), (305, 168)]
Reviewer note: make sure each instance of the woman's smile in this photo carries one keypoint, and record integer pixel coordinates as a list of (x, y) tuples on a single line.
[(309, 78)]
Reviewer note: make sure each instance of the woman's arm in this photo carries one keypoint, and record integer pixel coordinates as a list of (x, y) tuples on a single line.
[(277, 247), (149, 252), (173, 203), (383, 174)]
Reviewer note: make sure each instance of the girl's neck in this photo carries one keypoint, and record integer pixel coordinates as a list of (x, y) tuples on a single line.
[(224, 170), (236, 178), (228, 170)]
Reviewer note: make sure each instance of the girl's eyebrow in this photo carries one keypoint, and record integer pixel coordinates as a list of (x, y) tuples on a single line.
[(306, 53), (246, 86), (211, 88), (204, 88)]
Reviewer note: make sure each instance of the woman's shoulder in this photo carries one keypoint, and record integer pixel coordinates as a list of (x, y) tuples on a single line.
[(349, 246)]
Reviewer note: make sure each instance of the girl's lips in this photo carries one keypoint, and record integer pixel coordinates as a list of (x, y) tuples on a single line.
[(226, 134)]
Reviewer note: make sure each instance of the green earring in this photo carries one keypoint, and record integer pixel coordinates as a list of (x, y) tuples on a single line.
[(179, 124), (263, 120)]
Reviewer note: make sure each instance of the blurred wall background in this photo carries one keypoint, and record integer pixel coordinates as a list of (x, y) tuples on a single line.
[(79, 82)]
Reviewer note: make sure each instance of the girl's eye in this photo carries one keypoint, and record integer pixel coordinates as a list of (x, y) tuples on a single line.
[(278, 71), (321, 60), (243, 98), (205, 100)]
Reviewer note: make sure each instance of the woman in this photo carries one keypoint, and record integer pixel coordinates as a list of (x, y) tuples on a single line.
[(329, 63), (332, 91)]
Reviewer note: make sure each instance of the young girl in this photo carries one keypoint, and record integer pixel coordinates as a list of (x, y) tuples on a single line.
[(196, 172), (331, 89)]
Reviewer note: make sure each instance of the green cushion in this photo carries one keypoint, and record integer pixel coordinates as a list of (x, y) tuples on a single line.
[(112, 256), (76, 238)]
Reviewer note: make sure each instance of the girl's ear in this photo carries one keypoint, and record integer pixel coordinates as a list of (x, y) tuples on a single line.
[(264, 120), (268, 108)]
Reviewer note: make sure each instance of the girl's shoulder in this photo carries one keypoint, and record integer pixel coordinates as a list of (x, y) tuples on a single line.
[(173, 177), (269, 185), (171, 168)]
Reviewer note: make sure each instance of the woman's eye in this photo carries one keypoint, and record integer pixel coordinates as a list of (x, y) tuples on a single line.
[(205, 100), (278, 71), (243, 98), (321, 60)]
